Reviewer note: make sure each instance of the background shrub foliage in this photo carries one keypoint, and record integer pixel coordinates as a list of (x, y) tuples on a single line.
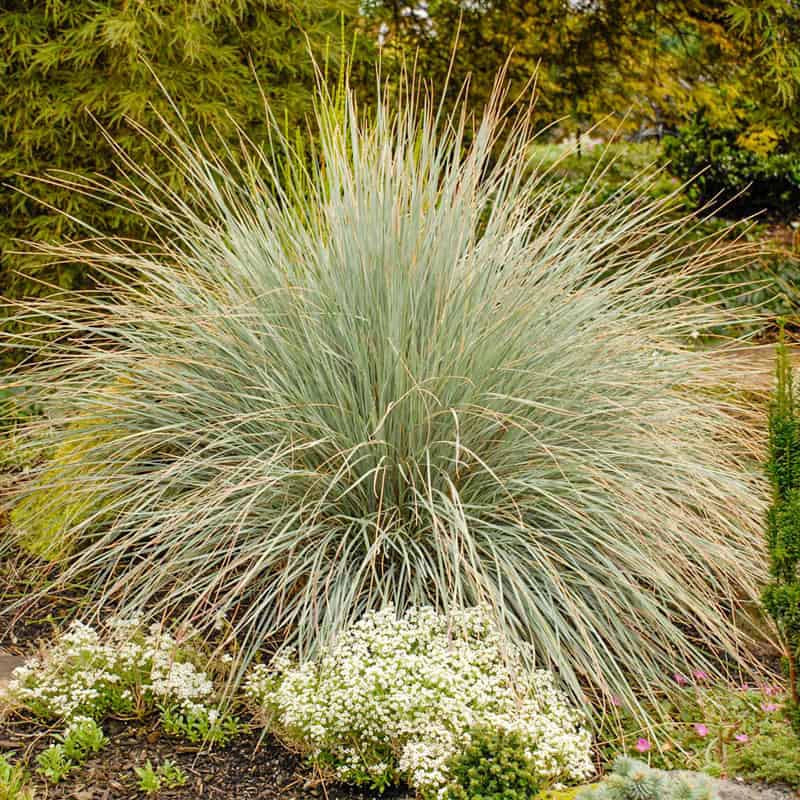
[(748, 168), (65, 61)]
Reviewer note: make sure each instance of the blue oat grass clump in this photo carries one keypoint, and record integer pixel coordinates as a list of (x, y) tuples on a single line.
[(398, 369)]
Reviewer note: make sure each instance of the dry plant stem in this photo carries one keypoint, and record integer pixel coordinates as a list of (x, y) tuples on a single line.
[(791, 659)]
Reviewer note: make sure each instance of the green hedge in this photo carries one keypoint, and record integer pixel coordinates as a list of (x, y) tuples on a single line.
[(64, 61), (749, 169)]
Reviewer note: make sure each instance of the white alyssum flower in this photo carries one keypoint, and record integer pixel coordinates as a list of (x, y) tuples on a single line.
[(395, 698), (88, 673)]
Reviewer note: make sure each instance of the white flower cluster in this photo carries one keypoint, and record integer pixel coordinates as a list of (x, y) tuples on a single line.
[(395, 699), (86, 674)]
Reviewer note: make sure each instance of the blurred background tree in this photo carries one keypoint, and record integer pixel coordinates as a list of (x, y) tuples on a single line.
[(66, 61), (721, 78), (656, 62), (708, 88)]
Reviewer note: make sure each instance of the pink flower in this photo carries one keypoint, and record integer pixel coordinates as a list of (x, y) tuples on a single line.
[(700, 675), (700, 729), (681, 680), (742, 737), (771, 691), (642, 745), (615, 701), (769, 707)]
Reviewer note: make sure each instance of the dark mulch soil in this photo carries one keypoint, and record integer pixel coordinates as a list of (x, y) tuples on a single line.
[(244, 770), (23, 621)]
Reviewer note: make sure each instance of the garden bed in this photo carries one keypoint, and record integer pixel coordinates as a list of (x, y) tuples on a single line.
[(246, 769), (254, 766), (251, 767)]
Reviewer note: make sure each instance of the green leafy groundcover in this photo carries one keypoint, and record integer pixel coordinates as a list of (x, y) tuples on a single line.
[(709, 725)]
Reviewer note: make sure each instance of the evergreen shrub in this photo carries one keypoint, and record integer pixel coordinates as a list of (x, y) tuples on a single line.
[(496, 765), (782, 594), (748, 170)]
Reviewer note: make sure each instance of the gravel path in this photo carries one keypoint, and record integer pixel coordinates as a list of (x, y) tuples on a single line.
[(739, 790), (736, 790)]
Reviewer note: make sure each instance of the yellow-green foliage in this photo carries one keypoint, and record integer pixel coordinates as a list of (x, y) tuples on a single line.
[(770, 759), (13, 780), (54, 507), (58, 500), (564, 794)]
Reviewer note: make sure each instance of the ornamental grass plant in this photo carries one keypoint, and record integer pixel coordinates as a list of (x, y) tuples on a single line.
[(387, 372)]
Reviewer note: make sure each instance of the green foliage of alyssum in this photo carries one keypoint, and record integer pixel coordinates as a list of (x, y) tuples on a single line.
[(14, 780)]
